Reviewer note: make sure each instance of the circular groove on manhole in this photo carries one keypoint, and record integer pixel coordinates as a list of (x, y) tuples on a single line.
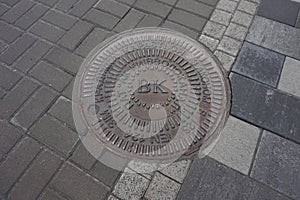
[(150, 94)]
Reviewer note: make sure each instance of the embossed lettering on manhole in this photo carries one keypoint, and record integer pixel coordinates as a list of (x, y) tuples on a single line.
[(149, 95)]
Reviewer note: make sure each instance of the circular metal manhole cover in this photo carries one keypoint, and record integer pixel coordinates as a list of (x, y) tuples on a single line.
[(149, 94)]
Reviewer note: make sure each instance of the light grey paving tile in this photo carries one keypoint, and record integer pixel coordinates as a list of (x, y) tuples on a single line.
[(226, 60), (236, 31), (209, 42), (214, 29), (230, 46), (227, 5), (221, 17), (284, 39), (236, 145), (176, 170), (247, 6), (242, 18)]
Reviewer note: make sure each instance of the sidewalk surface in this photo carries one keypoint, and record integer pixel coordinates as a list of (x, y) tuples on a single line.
[(42, 45)]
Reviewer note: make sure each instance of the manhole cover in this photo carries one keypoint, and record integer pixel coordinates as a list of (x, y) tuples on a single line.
[(149, 94)]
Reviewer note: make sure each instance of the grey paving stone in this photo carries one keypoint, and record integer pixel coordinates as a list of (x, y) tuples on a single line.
[(66, 5), (31, 16), (113, 7), (187, 19), (247, 6), (82, 157), (227, 5), (75, 35), (2, 46), (62, 110), (242, 18), (180, 28), (8, 33), (17, 11), (162, 187), (170, 2), (50, 195), (47, 31), (149, 21), (131, 19), (259, 34), (8, 137), (82, 185), (54, 134), (112, 198), (221, 17), (101, 18), (279, 10), (48, 2), (289, 79), (236, 145), (33, 108), (265, 107), (59, 19), (17, 49), (230, 46), (13, 100), (65, 59), (177, 170), (154, 7), (277, 164), (209, 42), (51, 75), (32, 56), (105, 174), (259, 64), (8, 78), (68, 90), (208, 179), (214, 29), (16, 162), (82, 7), (128, 2), (10, 2), (210, 2), (195, 7), (298, 21), (236, 31), (36, 177), (3, 9)]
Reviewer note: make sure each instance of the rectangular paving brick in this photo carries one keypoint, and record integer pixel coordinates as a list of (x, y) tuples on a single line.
[(130, 20), (208, 179), (129, 2), (259, 33), (91, 41), (101, 18), (75, 35), (47, 31), (17, 11), (150, 21), (48, 2), (195, 7), (154, 7), (187, 19), (8, 33), (17, 96), (16, 162), (10, 2), (31, 16), (169, 2), (51, 195), (32, 56), (3, 8), (82, 185), (65, 59), (17, 49), (265, 107), (66, 5), (36, 177), (105, 174), (259, 64), (69, 90), (33, 108), (113, 7), (51, 76), (210, 2), (180, 28), (8, 78), (82, 157), (59, 19), (82, 7)]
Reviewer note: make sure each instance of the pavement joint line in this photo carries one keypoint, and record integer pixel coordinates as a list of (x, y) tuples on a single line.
[(285, 56), (255, 151)]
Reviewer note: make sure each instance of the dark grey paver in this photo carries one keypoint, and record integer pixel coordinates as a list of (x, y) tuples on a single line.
[(181, 29), (10, 2), (75, 35), (17, 96), (33, 108), (154, 7), (210, 2), (8, 137), (298, 20), (51, 76), (170, 2), (208, 179), (59, 19), (17, 11), (3, 9), (187, 19), (8, 78), (279, 10), (129, 2), (113, 7), (17, 49), (66, 5), (31, 56), (48, 2), (82, 7), (31, 16), (195, 7), (16, 162), (150, 21), (36, 177), (83, 157), (105, 174), (82, 185), (68, 90), (265, 107), (47, 31), (101, 18), (8, 33), (51, 195), (54, 134), (2, 46), (62, 110), (91, 41), (277, 164), (65, 59), (129, 21), (260, 64)]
